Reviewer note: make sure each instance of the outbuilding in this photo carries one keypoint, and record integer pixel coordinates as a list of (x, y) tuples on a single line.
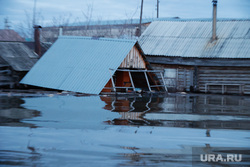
[(94, 65)]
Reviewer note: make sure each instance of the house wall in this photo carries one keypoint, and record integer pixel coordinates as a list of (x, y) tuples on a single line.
[(180, 79), (5, 76), (133, 60), (10, 78), (230, 76)]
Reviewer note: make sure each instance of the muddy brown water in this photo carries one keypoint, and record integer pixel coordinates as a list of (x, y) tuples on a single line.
[(57, 130)]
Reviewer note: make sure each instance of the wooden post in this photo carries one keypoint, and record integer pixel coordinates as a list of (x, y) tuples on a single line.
[(164, 82), (147, 81), (131, 79), (112, 80), (185, 80), (177, 79), (195, 79)]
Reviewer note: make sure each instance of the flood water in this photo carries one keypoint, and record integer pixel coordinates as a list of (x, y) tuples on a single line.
[(58, 130)]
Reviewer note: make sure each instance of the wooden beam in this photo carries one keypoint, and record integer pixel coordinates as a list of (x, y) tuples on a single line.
[(147, 81), (216, 62), (164, 82), (137, 70), (131, 79), (112, 80)]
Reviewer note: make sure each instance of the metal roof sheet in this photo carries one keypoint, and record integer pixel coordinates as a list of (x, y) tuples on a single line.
[(192, 38), (79, 64)]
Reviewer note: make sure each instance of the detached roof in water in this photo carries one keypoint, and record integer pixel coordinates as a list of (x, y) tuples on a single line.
[(192, 38), (79, 64)]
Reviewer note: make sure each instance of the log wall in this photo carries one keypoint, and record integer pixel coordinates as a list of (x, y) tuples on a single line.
[(230, 76)]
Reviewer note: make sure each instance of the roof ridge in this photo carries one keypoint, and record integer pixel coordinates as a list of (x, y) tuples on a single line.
[(204, 19), (97, 38)]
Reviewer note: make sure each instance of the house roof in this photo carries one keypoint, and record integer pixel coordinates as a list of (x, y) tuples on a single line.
[(44, 46), (17, 55), (192, 38), (79, 64), (10, 35)]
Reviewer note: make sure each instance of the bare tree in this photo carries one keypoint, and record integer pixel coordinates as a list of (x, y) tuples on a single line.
[(88, 18), (25, 28), (61, 20), (127, 30)]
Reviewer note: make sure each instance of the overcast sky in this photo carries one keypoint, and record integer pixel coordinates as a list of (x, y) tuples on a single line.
[(16, 10)]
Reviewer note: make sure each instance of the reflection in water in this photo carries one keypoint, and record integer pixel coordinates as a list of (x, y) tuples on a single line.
[(12, 114), (162, 131), (131, 110), (215, 112)]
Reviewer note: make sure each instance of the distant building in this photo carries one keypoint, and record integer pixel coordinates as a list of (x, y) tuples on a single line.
[(192, 60), (122, 29), (10, 36)]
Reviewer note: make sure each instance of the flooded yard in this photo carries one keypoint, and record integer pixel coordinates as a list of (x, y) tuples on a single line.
[(61, 130)]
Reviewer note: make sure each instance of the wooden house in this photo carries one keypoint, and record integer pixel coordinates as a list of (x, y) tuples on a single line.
[(193, 59), (93, 66), (17, 57)]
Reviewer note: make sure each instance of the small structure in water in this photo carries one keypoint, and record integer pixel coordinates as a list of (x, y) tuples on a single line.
[(94, 65)]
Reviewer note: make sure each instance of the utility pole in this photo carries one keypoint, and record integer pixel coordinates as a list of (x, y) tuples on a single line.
[(158, 8), (141, 17)]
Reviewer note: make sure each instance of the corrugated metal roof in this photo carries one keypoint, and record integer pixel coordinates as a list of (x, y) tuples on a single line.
[(192, 38), (79, 64), (17, 55)]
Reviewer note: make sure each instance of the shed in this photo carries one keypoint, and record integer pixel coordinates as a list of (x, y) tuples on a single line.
[(193, 61), (91, 65), (16, 59)]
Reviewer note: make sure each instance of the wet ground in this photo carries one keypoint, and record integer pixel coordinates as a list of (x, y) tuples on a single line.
[(65, 130)]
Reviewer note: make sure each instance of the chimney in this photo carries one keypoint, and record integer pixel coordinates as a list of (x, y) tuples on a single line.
[(60, 31), (214, 37), (37, 40)]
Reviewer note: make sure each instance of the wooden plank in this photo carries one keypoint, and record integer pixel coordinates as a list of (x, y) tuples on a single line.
[(164, 82), (112, 79), (147, 81), (131, 79)]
